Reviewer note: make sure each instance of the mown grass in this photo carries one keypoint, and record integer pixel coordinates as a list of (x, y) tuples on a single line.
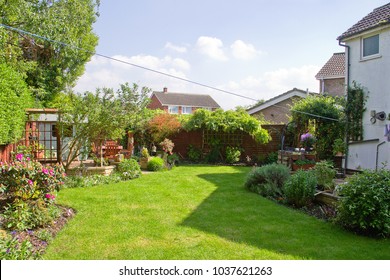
[(197, 213)]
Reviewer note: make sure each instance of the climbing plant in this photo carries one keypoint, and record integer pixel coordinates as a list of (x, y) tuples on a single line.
[(227, 121), (323, 116), (354, 109)]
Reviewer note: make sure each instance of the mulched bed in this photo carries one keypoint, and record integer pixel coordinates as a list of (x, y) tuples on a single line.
[(39, 245)]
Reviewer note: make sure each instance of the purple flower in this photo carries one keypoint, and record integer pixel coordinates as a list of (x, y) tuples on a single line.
[(45, 171), (19, 157)]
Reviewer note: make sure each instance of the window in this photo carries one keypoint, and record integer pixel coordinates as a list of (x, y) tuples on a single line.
[(371, 45), (173, 109), (186, 110)]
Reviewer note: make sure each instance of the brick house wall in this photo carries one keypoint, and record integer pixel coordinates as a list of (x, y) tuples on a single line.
[(279, 114), (156, 104), (335, 87)]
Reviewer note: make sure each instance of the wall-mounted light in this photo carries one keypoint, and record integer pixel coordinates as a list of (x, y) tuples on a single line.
[(377, 116)]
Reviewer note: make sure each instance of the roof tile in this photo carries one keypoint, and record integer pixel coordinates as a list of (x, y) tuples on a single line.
[(379, 16), (185, 99), (334, 67)]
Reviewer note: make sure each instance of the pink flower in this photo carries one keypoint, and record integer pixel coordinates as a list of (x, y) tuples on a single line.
[(30, 182), (50, 196), (19, 157), (45, 171)]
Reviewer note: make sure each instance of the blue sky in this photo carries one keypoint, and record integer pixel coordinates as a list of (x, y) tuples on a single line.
[(255, 48)]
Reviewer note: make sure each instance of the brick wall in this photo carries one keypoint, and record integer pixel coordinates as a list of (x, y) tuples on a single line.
[(5, 152), (278, 114), (335, 87)]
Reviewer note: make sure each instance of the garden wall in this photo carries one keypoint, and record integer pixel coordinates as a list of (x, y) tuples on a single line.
[(5, 152), (250, 148)]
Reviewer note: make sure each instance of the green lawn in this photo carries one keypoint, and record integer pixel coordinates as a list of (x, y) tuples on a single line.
[(197, 212)]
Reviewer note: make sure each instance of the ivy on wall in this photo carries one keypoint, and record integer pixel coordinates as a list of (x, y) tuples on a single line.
[(354, 109)]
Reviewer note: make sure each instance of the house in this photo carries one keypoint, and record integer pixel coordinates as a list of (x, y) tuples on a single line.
[(277, 109), (367, 45), (332, 75), (181, 103)]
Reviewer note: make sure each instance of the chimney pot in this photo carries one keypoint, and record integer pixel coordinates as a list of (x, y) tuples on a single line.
[(165, 90)]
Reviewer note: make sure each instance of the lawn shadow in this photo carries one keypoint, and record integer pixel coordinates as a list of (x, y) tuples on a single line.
[(234, 213)]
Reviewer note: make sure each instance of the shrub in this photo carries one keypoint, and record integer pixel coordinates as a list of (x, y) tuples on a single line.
[(300, 188), (325, 174), (129, 169), (268, 180), (365, 203), (29, 189), (271, 158), (26, 180), (173, 159), (167, 146), (232, 155), (194, 154), (155, 164)]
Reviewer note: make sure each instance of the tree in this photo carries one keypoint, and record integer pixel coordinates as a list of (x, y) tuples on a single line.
[(64, 42), (14, 99), (95, 117), (163, 125)]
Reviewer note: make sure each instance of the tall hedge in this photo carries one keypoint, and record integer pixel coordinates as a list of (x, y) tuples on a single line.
[(14, 99)]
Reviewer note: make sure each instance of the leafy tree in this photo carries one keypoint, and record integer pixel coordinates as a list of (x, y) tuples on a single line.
[(14, 99), (162, 126), (324, 116), (97, 116), (55, 64)]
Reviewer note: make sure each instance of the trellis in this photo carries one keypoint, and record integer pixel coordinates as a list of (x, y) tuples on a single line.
[(233, 139)]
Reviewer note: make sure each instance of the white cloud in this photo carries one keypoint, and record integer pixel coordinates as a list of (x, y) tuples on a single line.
[(268, 85), (244, 51), (212, 47), (101, 72), (175, 48)]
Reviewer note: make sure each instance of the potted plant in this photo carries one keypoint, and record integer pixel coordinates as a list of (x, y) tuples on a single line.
[(144, 158), (339, 147), (307, 141)]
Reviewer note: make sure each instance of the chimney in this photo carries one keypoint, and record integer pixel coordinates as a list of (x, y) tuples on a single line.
[(165, 90)]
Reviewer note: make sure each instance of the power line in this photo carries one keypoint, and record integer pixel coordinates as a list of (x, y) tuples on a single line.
[(128, 63), (153, 70)]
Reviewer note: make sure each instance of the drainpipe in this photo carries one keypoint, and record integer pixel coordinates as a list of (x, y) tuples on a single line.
[(377, 154), (347, 124)]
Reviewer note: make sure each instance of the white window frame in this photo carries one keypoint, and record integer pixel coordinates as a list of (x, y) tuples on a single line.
[(172, 109), (184, 110), (372, 55)]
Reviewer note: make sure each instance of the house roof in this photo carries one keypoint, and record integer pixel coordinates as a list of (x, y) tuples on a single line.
[(378, 17), (333, 68), (277, 99), (185, 99)]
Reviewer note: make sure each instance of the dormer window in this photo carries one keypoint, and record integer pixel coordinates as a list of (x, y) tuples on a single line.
[(370, 46)]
